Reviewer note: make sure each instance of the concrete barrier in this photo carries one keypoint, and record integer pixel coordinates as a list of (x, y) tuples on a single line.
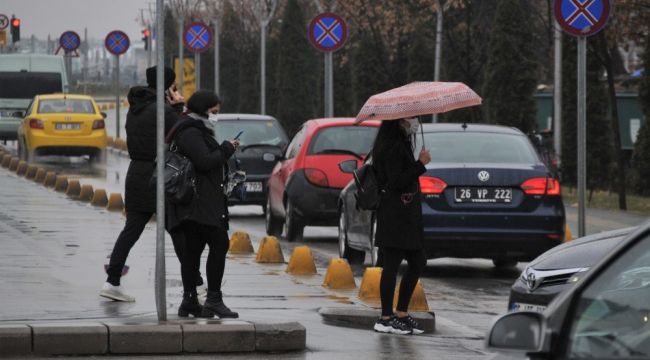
[(363, 317), (99, 198), (235, 336), (70, 339), (22, 168), (280, 337), (269, 251), (141, 339), (40, 175), (74, 189), (13, 164), (86, 193), (115, 202), (240, 243), (31, 172), (6, 160), (301, 262), (15, 340), (61, 183), (339, 275), (369, 289), (50, 179), (418, 299)]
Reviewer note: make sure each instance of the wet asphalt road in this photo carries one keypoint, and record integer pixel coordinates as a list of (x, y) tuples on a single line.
[(466, 295)]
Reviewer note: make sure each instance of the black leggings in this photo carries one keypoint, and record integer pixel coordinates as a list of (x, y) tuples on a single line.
[(135, 223), (391, 260), (197, 236)]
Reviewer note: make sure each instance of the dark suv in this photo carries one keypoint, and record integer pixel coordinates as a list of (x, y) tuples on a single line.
[(262, 142)]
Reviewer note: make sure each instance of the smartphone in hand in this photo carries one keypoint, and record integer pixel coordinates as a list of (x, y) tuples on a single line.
[(238, 135)]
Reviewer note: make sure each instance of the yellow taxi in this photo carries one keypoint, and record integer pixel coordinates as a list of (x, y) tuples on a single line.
[(62, 124)]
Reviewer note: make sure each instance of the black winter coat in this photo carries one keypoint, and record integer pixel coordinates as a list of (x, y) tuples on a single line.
[(208, 206), (399, 216), (141, 142)]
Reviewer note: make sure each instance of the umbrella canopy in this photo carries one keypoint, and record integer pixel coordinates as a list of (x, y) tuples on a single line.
[(418, 98)]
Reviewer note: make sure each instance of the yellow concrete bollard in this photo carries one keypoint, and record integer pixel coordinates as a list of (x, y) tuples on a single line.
[(61, 184), (22, 168), (86, 193), (6, 160), (301, 262), (50, 179), (110, 141), (30, 174), (269, 251), (124, 146), (74, 189), (418, 299), (369, 289), (568, 236), (40, 175), (339, 275), (99, 198), (240, 243), (115, 202), (13, 164)]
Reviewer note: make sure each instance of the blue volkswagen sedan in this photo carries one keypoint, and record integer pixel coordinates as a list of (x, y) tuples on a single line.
[(486, 194)]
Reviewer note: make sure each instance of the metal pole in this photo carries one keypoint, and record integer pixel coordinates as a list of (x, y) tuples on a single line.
[(160, 287), (436, 69), (557, 94), (329, 82), (216, 57), (85, 54), (181, 59), (263, 68), (582, 131), (117, 96), (150, 49), (197, 57)]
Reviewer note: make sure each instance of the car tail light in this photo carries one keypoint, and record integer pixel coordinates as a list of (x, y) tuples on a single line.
[(98, 124), (541, 186), (317, 177), (36, 124), (432, 185), (554, 236)]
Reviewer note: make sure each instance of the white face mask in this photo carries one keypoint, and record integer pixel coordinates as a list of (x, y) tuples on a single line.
[(411, 126), (212, 117)]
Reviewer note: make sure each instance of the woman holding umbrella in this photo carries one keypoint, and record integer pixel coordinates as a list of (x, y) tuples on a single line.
[(400, 234)]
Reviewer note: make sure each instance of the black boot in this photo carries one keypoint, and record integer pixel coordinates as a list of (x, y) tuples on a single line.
[(190, 305), (214, 306)]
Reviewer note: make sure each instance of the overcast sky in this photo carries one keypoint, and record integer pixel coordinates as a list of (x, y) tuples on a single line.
[(43, 17)]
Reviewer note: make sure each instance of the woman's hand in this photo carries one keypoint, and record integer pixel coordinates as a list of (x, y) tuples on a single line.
[(425, 156), (235, 143), (174, 97)]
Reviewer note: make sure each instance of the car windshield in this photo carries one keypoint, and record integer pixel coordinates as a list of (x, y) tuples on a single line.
[(26, 85), (344, 139), (477, 147), (68, 106), (254, 132)]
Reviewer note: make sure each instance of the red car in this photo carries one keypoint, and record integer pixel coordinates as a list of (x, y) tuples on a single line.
[(305, 185)]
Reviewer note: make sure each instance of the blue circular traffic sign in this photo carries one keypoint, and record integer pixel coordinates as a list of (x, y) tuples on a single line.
[(69, 41), (582, 17), (197, 37), (327, 32), (117, 42)]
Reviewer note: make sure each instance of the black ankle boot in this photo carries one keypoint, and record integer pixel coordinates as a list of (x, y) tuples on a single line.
[(190, 305), (214, 306)]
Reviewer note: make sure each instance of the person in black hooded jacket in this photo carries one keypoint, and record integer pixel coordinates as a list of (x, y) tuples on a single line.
[(140, 198), (203, 220)]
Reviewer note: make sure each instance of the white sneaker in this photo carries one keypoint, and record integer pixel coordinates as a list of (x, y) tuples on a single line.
[(115, 293)]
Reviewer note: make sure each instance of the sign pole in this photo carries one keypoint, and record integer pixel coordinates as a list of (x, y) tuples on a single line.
[(557, 93), (216, 57), (263, 69), (438, 56), (197, 38), (197, 71), (181, 59), (582, 131), (117, 96), (160, 287), (329, 82)]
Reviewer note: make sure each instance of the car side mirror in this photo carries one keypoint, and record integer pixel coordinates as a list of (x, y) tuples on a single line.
[(103, 114), (348, 166), (518, 332), (18, 114)]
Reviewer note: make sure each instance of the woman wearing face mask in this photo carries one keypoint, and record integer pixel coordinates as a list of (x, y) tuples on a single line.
[(205, 219), (399, 220)]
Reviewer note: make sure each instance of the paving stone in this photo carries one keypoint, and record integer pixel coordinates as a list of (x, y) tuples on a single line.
[(280, 337), (224, 337), (145, 339), (70, 338), (15, 340)]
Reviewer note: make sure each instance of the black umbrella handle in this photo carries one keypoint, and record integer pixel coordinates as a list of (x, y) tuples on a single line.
[(422, 132)]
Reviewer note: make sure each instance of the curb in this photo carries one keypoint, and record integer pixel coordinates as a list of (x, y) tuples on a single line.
[(365, 318), (171, 337)]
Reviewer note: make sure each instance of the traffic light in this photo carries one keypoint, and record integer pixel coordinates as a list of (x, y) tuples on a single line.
[(15, 29), (146, 36)]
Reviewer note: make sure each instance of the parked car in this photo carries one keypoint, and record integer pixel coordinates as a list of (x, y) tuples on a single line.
[(304, 187), (604, 315), (24, 76), (62, 124), (486, 194), (262, 140), (559, 268)]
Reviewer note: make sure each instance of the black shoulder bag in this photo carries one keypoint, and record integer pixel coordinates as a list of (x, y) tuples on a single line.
[(179, 174), (368, 192)]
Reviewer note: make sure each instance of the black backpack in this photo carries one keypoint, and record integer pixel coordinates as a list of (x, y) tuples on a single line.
[(368, 192)]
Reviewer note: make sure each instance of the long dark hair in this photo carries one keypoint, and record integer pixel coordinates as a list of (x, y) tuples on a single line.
[(389, 134)]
